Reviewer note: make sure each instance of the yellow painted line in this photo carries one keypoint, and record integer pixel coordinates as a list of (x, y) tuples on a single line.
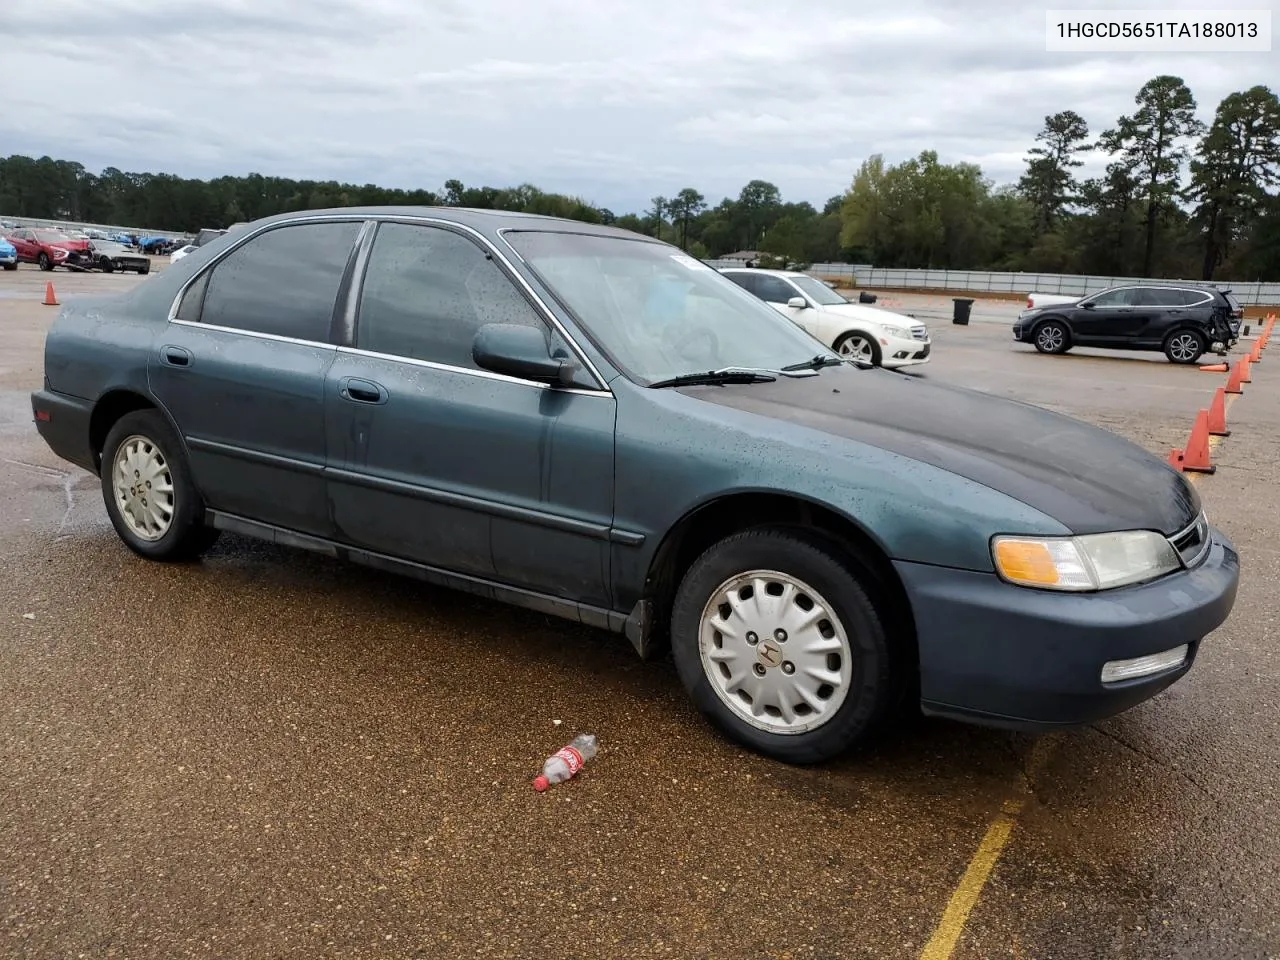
[(951, 926)]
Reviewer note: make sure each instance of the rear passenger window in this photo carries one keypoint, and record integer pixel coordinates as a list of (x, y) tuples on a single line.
[(1160, 297), (428, 290), (282, 282), (744, 280)]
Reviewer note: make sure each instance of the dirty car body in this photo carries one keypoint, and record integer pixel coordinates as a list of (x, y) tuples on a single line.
[(586, 422)]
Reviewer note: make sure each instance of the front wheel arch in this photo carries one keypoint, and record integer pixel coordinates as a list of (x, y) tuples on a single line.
[(1058, 322), (876, 355)]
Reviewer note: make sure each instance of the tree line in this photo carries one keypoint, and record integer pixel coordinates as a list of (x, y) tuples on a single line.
[(1177, 198)]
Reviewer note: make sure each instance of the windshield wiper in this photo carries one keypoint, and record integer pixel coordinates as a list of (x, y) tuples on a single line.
[(727, 375), (817, 363)]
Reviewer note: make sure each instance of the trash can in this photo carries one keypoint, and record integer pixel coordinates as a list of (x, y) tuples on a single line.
[(961, 313)]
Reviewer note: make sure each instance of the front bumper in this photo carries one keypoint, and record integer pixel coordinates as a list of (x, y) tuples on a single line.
[(1009, 656), (63, 423), (7, 258), (902, 352)]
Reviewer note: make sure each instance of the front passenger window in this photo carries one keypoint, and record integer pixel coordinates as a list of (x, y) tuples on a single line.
[(1116, 298), (774, 290), (428, 290)]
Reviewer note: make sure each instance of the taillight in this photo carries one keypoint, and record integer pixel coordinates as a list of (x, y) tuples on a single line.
[(1028, 303)]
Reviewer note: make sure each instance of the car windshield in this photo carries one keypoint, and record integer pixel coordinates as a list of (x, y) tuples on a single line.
[(51, 236), (658, 313), (818, 292)]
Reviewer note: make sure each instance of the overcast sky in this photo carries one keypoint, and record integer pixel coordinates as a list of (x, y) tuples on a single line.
[(617, 102)]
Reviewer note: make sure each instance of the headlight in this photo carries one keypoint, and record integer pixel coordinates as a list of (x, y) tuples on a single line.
[(1096, 562), (891, 331)]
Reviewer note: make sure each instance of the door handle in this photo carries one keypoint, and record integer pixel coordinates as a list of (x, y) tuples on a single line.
[(359, 390), (176, 356)]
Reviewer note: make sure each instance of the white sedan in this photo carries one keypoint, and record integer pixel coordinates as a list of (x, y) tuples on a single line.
[(879, 336), (182, 252)]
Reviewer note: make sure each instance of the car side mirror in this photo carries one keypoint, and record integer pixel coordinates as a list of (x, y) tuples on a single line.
[(1088, 305), (520, 351), (797, 303)]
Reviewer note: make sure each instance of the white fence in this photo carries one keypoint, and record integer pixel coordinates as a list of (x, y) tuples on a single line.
[(980, 281), (986, 281)]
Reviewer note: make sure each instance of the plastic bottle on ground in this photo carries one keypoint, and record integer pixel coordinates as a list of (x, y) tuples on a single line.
[(564, 763)]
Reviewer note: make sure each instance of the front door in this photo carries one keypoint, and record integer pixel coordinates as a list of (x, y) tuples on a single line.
[(1111, 318), (434, 460), (241, 370)]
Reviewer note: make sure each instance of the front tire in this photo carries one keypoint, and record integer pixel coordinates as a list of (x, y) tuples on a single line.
[(107, 265), (858, 346), (44, 261), (781, 648), (148, 490), (1184, 346), (1052, 337)]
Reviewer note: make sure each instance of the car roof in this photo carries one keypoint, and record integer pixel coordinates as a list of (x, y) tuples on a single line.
[(488, 221)]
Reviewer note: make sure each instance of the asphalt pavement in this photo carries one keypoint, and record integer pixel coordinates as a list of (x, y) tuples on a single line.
[(272, 754)]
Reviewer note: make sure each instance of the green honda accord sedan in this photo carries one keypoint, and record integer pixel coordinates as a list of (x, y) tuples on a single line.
[(588, 422)]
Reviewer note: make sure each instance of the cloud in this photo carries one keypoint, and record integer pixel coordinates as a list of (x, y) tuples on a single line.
[(612, 101)]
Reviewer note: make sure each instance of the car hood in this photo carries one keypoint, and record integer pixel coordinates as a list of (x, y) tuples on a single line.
[(7, 247), (1088, 479), (80, 245), (854, 311)]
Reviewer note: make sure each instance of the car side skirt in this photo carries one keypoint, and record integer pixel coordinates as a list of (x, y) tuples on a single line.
[(634, 625)]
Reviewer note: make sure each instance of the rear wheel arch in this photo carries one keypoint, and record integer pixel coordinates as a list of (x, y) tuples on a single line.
[(113, 405), (711, 522)]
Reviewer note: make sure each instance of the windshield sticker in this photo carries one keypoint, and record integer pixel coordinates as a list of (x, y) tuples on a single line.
[(689, 262)]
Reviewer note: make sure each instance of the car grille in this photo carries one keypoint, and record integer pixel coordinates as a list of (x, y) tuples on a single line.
[(1192, 543), (920, 332)]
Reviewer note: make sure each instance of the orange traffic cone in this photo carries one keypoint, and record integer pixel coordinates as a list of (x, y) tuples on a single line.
[(1243, 366), (1218, 414), (50, 298), (1215, 368), (1175, 459), (1236, 377), (1196, 456), (1255, 355)]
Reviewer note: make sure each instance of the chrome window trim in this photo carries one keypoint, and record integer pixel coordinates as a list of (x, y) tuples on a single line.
[(257, 335), (471, 371), (547, 315)]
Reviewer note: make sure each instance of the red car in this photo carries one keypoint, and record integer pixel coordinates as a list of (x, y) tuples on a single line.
[(50, 248)]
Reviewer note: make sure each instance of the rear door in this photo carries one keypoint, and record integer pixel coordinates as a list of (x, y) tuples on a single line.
[(241, 370)]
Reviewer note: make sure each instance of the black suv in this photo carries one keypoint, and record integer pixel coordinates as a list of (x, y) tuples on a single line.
[(1182, 320)]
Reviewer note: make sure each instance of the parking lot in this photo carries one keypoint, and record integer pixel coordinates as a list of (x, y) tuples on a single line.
[(273, 754)]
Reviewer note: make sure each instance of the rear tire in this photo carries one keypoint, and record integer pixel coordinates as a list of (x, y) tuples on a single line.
[(1184, 346), (1052, 337), (11, 266), (819, 676), (107, 265), (148, 490)]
